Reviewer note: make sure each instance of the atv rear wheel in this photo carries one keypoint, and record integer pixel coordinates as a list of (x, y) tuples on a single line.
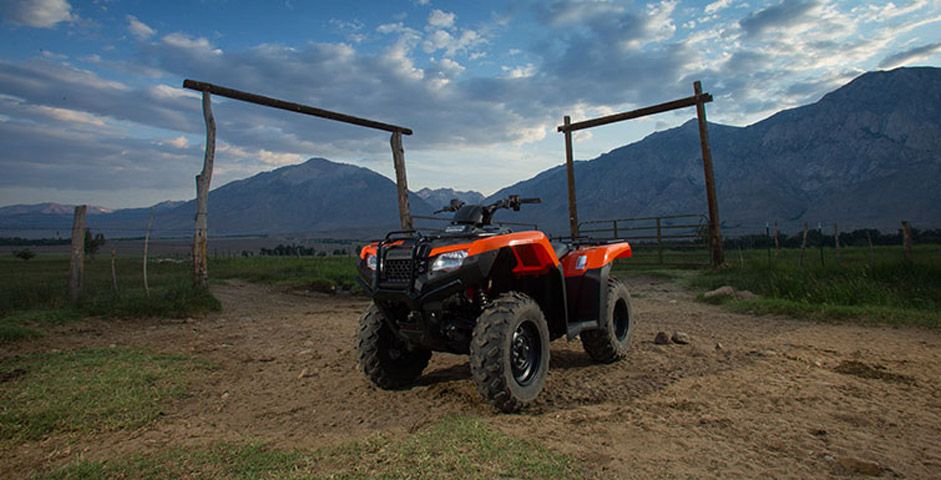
[(509, 352), (611, 341), (386, 360)]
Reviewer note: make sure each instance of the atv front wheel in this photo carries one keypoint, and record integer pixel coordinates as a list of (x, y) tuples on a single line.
[(611, 341), (509, 352), (386, 360)]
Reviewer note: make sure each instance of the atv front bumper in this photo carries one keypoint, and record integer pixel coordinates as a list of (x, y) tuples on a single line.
[(422, 290)]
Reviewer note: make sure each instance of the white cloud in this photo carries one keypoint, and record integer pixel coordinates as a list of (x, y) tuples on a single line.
[(910, 56), (267, 157), (660, 20), (184, 41), (67, 115), (716, 6), (139, 29), (450, 67), (38, 13), (179, 142), (523, 71), (440, 19)]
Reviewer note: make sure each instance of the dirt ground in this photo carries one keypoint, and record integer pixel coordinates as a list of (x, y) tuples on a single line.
[(750, 397)]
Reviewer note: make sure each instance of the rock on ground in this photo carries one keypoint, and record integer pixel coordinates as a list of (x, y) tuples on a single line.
[(681, 338), (662, 338)]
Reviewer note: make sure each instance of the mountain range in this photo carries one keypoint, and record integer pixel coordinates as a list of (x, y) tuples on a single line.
[(865, 155)]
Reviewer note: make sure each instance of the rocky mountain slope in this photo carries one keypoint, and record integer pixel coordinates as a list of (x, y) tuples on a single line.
[(866, 154)]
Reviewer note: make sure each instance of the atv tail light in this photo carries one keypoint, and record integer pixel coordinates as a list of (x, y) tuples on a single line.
[(371, 262), (447, 262)]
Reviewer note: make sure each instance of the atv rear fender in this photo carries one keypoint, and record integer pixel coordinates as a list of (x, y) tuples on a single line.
[(587, 270)]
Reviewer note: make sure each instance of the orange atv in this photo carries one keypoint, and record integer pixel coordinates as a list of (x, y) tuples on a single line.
[(499, 296)]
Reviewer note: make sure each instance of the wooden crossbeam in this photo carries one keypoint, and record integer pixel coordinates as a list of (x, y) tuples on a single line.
[(640, 112), (291, 106)]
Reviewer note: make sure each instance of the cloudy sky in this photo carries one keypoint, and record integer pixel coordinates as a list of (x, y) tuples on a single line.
[(92, 109)]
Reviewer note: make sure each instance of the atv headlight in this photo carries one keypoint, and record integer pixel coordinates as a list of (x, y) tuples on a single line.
[(450, 261), (371, 261)]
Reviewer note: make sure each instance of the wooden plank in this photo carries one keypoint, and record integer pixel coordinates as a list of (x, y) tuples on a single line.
[(401, 180), (570, 174), (715, 234), (697, 99), (203, 181), (77, 262), (291, 106)]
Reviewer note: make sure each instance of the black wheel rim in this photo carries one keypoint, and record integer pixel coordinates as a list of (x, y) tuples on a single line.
[(525, 353), (621, 319)]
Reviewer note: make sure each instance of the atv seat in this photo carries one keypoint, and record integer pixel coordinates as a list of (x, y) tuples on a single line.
[(561, 249)]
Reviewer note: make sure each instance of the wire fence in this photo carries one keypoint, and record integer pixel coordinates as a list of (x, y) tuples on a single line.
[(669, 240)]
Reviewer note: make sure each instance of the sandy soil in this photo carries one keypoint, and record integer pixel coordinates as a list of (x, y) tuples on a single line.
[(750, 397)]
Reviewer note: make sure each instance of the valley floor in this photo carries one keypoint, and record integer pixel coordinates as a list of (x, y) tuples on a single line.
[(749, 397)]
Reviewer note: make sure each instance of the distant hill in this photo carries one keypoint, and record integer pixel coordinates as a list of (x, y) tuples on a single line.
[(48, 209), (866, 154), (317, 197), (442, 196)]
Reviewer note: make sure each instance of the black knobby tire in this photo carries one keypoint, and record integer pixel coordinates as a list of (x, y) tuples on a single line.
[(386, 360), (509, 352), (611, 341)]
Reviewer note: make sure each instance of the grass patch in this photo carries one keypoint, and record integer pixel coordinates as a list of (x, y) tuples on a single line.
[(456, 447), (14, 333), (253, 461), (878, 288), (319, 273), (88, 390), (33, 294)]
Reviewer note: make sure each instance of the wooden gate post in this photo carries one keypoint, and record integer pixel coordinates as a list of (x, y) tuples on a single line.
[(401, 180), (77, 263), (203, 180), (570, 172), (715, 235)]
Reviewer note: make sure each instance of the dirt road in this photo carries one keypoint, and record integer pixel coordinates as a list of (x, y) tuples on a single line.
[(778, 398)]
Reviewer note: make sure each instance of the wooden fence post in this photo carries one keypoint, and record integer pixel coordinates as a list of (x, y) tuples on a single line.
[(803, 245), (114, 271), (659, 242), (871, 252), (77, 264), (570, 175), (820, 231), (150, 224), (768, 234), (836, 241), (715, 234), (203, 180), (907, 240), (401, 180)]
